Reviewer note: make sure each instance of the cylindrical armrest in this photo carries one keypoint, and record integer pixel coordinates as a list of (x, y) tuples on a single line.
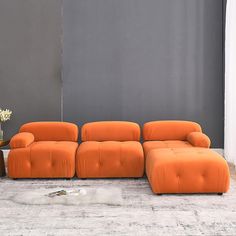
[(199, 139), (21, 140)]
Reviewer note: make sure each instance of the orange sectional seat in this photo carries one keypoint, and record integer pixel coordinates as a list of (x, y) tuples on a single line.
[(110, 149), (187, 170), (43, 150), (173, 134)]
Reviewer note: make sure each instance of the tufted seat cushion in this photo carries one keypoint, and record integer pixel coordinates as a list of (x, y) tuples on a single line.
[(43, 159), (187, 170), (110, 159), (150, 145)]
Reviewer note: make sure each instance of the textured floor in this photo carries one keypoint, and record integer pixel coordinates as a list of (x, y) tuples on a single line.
[(141, 212)]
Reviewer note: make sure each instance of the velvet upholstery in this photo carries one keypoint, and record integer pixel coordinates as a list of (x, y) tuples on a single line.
[(110, 149), (169, 130), (110, 131), (32, 157), (150, 145), (110, 159), (187, 170), (173, 134), (198, 139), (52, 131), (21, 140)]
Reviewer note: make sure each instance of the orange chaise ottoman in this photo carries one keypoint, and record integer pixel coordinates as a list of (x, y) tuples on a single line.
[(187, 170)]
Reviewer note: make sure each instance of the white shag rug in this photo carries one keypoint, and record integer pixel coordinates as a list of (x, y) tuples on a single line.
[(78, 196)]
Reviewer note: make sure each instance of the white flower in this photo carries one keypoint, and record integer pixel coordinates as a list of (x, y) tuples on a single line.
[(5, 115)]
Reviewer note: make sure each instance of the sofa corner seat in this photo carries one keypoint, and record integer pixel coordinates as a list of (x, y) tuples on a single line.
[(43, 150), (173, 134)]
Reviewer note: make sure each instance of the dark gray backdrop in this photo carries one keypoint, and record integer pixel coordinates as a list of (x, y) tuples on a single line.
[(30, 61), (144, 60), (123, 60)]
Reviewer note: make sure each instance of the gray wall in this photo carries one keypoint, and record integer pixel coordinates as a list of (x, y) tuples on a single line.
[(122, 60), (30, 60), (144, 60)]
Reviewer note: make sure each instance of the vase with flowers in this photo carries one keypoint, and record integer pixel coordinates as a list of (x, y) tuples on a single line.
[(4, 116)]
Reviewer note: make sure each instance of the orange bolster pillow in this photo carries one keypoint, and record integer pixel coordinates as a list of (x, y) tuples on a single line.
[(22, 140), (199, 139)]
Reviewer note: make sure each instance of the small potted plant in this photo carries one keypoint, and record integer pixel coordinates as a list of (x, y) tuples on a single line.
[(4, 116)]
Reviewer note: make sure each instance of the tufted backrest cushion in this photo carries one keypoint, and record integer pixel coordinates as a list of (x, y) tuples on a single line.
[(169, 130), (110, 131), (52, 131)]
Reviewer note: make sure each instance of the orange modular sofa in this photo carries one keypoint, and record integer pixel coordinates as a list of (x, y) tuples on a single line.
[(110, 149), (43, 150), (178, 159), (173, 134)]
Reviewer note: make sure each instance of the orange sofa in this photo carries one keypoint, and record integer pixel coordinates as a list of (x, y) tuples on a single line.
[(43, 150), (178, 159), (110, 149), (173, 134)]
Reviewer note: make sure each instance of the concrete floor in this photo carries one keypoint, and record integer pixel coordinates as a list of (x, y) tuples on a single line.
[(140, 213)]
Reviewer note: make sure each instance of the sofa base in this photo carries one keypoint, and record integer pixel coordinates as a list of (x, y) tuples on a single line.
[(44, 159), (110, 159)]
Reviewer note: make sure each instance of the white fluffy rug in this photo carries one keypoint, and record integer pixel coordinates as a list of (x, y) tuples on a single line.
[(112, 207), (78, 196)]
